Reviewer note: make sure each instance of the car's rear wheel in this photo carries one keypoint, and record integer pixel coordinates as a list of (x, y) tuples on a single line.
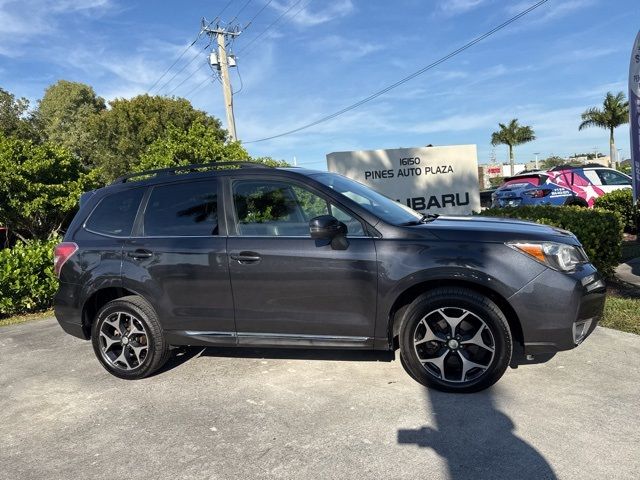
[(128, 339), (455, 340), (576, 202)]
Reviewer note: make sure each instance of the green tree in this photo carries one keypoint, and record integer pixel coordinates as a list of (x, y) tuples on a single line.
[(15, 118), (64, 113), (511, 135), (271, 162), (615, 112), (41, 185), (495, 182), (199, 144), (555, 161), (130, 126), (625, 167)]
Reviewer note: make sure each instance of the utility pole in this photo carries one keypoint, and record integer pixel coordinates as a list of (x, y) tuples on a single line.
[(536, 154), (223, 61)]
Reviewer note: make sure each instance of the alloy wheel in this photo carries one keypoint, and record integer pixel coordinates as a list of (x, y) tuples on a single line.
[(454, 344), (123, 341)]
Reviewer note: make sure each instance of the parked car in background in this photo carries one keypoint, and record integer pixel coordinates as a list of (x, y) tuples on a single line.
[(563, 185), (257, 256)]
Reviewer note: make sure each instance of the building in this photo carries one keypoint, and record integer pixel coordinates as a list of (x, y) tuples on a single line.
[(486, 172)]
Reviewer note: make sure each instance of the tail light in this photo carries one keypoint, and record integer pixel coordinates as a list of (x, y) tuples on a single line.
[(61, 254), (538, 193)]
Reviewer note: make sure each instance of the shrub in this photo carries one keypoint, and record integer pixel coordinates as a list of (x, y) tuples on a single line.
[(27, 280), (620, 201), (599, 231), (40, 187)]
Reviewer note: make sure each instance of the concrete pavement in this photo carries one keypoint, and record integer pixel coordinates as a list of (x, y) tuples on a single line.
[(629, 272), (283, 414)]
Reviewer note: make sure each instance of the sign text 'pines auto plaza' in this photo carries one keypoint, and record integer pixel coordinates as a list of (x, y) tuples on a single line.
[(429, 179)]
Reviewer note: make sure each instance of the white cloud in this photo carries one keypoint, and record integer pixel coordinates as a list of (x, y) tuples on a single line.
[(456, 7), (308, 17), (346, 49), (26, 20), (551, 10), (77, 5)]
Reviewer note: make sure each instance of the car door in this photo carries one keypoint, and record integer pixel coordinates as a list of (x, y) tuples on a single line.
[(288, 288), (178, 257)]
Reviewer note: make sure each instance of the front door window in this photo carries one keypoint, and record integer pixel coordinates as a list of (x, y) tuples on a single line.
[(276, 208)]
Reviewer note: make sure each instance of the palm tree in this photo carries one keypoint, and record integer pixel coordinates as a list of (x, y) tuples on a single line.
[(615, 112), (512, 135)]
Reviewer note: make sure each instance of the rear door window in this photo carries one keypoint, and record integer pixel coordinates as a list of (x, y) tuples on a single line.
[(115, 213), (182, 210), (592, 176)]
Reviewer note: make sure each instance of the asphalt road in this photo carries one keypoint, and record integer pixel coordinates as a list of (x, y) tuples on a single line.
[(284, 414)]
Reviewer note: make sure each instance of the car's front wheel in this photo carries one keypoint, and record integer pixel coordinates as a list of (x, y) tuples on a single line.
[(128, 339), (455, 340)]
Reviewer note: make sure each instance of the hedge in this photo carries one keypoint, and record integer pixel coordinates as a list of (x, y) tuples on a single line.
[(599, 231), (27, 280), (621, 201)]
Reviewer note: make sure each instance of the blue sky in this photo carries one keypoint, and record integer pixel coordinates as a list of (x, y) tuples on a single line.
[(326, 54)]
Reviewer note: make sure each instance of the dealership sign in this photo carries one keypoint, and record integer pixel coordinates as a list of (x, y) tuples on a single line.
[(429, 179), (634, 110)]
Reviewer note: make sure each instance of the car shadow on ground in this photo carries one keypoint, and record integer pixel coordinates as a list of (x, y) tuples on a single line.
[(184, 354), (476, 439)]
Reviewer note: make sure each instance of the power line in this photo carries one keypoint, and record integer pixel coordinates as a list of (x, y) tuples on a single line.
[(187, 49), (240, 78), (240, 11), (188, 77), (254, 39), (215, 76), (407, 78), (198, 87), (222, 11), (257, 14), (174, 63), (201, 84), (196, 56)]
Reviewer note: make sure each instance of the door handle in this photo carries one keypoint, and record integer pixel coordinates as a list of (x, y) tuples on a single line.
[(140, 253), (246, 257)]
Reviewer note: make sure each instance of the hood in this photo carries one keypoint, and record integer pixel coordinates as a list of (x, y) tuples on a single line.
[(493, 229)]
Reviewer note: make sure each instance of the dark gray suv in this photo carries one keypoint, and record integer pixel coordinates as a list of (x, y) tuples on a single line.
[(253, 256)]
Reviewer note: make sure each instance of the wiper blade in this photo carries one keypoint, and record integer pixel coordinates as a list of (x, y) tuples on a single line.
[(429, 217), (426, 218)]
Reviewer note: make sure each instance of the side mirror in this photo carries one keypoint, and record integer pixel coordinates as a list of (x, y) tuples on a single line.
[(327, 227)]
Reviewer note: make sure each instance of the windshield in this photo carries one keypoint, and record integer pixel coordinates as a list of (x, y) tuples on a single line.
[(382, 207)]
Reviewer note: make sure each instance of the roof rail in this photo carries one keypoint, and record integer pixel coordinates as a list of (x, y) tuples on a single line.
[(565, 167), (188, 168), (572, 167)]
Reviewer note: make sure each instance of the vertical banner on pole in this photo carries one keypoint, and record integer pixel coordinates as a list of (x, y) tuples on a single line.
[(634, 120)]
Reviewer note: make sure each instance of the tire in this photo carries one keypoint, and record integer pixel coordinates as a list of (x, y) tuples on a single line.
[(573, 202), (137, 353), (474, 354)]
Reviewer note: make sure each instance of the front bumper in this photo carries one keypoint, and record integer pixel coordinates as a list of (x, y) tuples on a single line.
[(557, 311)]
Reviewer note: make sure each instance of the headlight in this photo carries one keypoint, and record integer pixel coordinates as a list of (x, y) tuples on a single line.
[(558, 256)]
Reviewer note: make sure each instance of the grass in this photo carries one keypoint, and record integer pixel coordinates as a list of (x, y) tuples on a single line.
[(622, 314), (25, 318)]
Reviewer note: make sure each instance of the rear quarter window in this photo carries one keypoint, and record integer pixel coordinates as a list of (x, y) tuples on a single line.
[(115, 213)]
